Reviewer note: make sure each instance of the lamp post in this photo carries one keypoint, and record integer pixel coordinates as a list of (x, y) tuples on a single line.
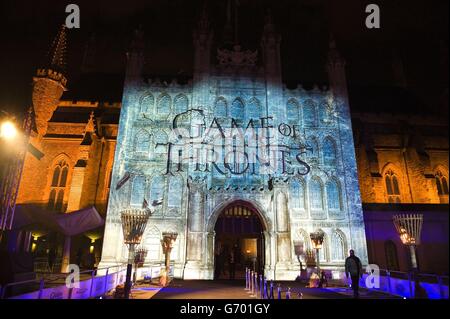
[(409, 227), (317, 241), (139, 258), (167, 243), (134, 222)]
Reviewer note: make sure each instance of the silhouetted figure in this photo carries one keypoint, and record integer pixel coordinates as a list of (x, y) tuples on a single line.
[(353, 268), (232, 263), (323, 279)]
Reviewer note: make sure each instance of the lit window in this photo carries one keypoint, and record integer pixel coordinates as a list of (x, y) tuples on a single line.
[(333, 196), (316, 194), (58, 185), (441, 183), (392, 187)]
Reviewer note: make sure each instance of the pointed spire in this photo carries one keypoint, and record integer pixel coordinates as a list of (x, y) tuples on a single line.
[(90, 126), (334, 57), (138, 42), (269, 26), (57, 53)]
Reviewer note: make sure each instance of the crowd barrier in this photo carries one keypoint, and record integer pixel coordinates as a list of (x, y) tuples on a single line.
[(101, 281), (391, 282)]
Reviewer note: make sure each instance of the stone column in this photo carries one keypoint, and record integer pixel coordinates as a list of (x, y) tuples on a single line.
[(282, 229), (195, 228)]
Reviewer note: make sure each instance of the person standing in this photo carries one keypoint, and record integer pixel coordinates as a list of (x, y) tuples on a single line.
[(353, 268)]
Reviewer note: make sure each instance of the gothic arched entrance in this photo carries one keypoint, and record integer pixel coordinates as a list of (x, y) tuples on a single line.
[(239, 236)]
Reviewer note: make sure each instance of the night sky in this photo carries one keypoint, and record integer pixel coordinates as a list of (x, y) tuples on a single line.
[(417, 30)]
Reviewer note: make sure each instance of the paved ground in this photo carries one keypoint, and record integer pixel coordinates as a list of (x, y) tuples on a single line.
[(226, 289)]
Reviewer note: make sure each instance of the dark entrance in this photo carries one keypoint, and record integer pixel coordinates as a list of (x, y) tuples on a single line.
[(239, 238)]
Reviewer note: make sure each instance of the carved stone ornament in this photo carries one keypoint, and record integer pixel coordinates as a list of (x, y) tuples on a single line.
[(236, 57)]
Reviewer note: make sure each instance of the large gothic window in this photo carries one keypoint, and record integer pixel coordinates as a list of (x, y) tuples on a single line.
[(441, 183), (58, 186), (180, 103), (298, 194), (309, 113), (338, 246), (237, 109), (147, 104), (292, 112), (391, 255), (316, 194), (254, 109), (142, 142), (175, 192), (220, 108), (158, 187), (138, 191), (163, 107), (333, 195), (392, 186), (329, 152), (312, 148)]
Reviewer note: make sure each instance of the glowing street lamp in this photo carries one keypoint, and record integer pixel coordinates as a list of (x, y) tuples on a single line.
[(8, 130), (317, 241), (409, 227), (134, 222)]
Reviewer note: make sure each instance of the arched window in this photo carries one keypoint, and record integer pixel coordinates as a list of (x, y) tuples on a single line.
[(164, 103), (333, 195), (137, 191), (254, 109), (161, 141), (441, 183), (309, 113), (175, 192), (142, 142), (147, 103), (298, 194), (58, 185), (153, 243), (237, 109), (312, 148), (316, 194), (292, 112), (392, 186), (181, 103), (329, 152), (157, 189), (391, 255), (220, 108), (338, 246)]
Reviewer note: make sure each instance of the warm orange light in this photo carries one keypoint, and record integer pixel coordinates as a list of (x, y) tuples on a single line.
[(8, 130)]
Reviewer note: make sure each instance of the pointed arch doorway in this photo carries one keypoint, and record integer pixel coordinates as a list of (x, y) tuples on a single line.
[(239, 236)]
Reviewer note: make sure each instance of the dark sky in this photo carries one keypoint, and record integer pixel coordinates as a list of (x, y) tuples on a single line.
[(417, 30)]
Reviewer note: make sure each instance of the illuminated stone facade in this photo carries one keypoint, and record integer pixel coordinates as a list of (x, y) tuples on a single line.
[(314, 187)]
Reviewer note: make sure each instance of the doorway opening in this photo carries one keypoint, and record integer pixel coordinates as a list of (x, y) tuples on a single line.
[(239, 241)]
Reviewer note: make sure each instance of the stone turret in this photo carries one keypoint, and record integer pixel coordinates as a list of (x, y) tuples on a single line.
[(50, 82)]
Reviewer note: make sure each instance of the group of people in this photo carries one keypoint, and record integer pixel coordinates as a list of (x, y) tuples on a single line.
[(223, 256)]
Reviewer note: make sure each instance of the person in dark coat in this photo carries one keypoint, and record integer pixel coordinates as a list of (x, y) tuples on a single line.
[(353, 268)]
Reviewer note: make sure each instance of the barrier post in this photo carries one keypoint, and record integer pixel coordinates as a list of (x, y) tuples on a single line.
[(255, 293), (279, 291), (250, 282), (271, 291), (246, 278), (261, 287), (106, 280), (41, 287), (288, 293), (265, 288)]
